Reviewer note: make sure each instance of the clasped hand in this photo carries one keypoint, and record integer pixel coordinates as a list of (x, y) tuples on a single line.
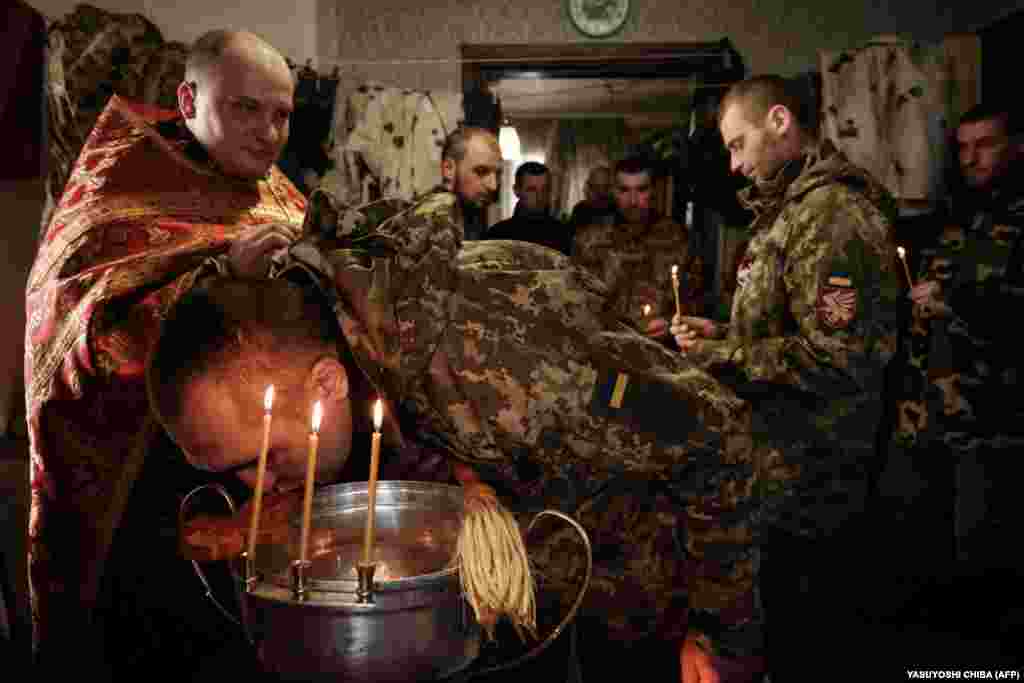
[(251, 252)]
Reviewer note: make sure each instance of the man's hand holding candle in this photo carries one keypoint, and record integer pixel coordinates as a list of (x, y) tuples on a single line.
[(927, 296), (688, 331), (652, 324)]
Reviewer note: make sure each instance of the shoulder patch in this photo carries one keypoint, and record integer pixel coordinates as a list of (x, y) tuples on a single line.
[(837, 302)]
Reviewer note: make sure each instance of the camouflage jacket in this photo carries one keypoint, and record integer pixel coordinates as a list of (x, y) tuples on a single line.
[(962, 365), (814, 322), (635, 261), (500, 354)]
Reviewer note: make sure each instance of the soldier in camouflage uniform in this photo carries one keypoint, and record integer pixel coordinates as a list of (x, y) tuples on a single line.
[(502, 355), (634, 255), (814, 323), (956, 406)]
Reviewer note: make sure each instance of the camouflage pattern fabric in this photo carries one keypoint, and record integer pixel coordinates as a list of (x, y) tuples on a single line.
[(635, 261), (961, 368), (814, 323), (500, 353)]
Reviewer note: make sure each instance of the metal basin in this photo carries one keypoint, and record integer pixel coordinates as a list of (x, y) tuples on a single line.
[(418, 626)]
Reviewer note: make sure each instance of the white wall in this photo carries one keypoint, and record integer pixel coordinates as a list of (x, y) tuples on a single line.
[(290, 26), (782, 36)]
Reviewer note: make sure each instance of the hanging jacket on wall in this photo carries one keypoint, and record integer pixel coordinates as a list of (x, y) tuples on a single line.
[(305, 158)]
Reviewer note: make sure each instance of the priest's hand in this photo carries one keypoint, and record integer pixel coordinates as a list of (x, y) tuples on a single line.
[(252, 250)]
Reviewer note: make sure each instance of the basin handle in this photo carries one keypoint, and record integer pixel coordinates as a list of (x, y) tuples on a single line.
[(195, 565)]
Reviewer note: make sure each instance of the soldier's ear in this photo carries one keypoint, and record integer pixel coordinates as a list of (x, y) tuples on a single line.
[(448, 170), (779, 119), (329, 379), (187, 99)]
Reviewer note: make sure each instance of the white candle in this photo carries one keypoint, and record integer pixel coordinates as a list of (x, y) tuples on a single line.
[(371, 491), (261, 470), (675, 289), (906, 269), (307, 507)]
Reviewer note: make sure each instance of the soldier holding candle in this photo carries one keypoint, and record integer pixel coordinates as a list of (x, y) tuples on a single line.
[(957, 421), (633, 253), (814, 323)]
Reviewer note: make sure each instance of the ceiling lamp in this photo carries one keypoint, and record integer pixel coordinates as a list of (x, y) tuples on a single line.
[(508, 140)]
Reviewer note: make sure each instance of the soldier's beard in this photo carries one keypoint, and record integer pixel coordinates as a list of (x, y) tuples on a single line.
[(479, 202)]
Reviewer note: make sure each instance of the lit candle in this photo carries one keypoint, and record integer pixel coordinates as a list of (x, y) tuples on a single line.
[(261, 470), (371, 491), (675, 289), (903, 257), (646, 310), (307, 506)]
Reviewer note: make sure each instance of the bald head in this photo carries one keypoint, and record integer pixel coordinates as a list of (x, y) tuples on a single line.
[(237, 99), (210, 49)]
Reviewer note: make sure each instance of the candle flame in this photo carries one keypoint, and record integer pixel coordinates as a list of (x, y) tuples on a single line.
[(378, 415), (268, 398), (647, 309), (318, 414), (901, 251), (675, 270)]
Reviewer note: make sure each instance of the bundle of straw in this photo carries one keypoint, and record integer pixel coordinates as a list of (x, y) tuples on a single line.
[(494, 568)]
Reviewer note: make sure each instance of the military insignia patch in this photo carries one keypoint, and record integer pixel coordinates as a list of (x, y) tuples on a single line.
[(837, 302)]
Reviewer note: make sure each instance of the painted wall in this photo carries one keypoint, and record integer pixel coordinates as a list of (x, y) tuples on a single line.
[(781, 36), (291, 26)]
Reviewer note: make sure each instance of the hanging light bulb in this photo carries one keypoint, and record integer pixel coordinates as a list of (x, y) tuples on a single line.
[(508, 140)]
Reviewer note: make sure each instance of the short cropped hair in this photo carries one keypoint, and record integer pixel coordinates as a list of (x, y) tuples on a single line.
[(205, 52), (533, 168), (454, 148), (634, 165), (758, 94), (1000, 110), (216, 327)]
